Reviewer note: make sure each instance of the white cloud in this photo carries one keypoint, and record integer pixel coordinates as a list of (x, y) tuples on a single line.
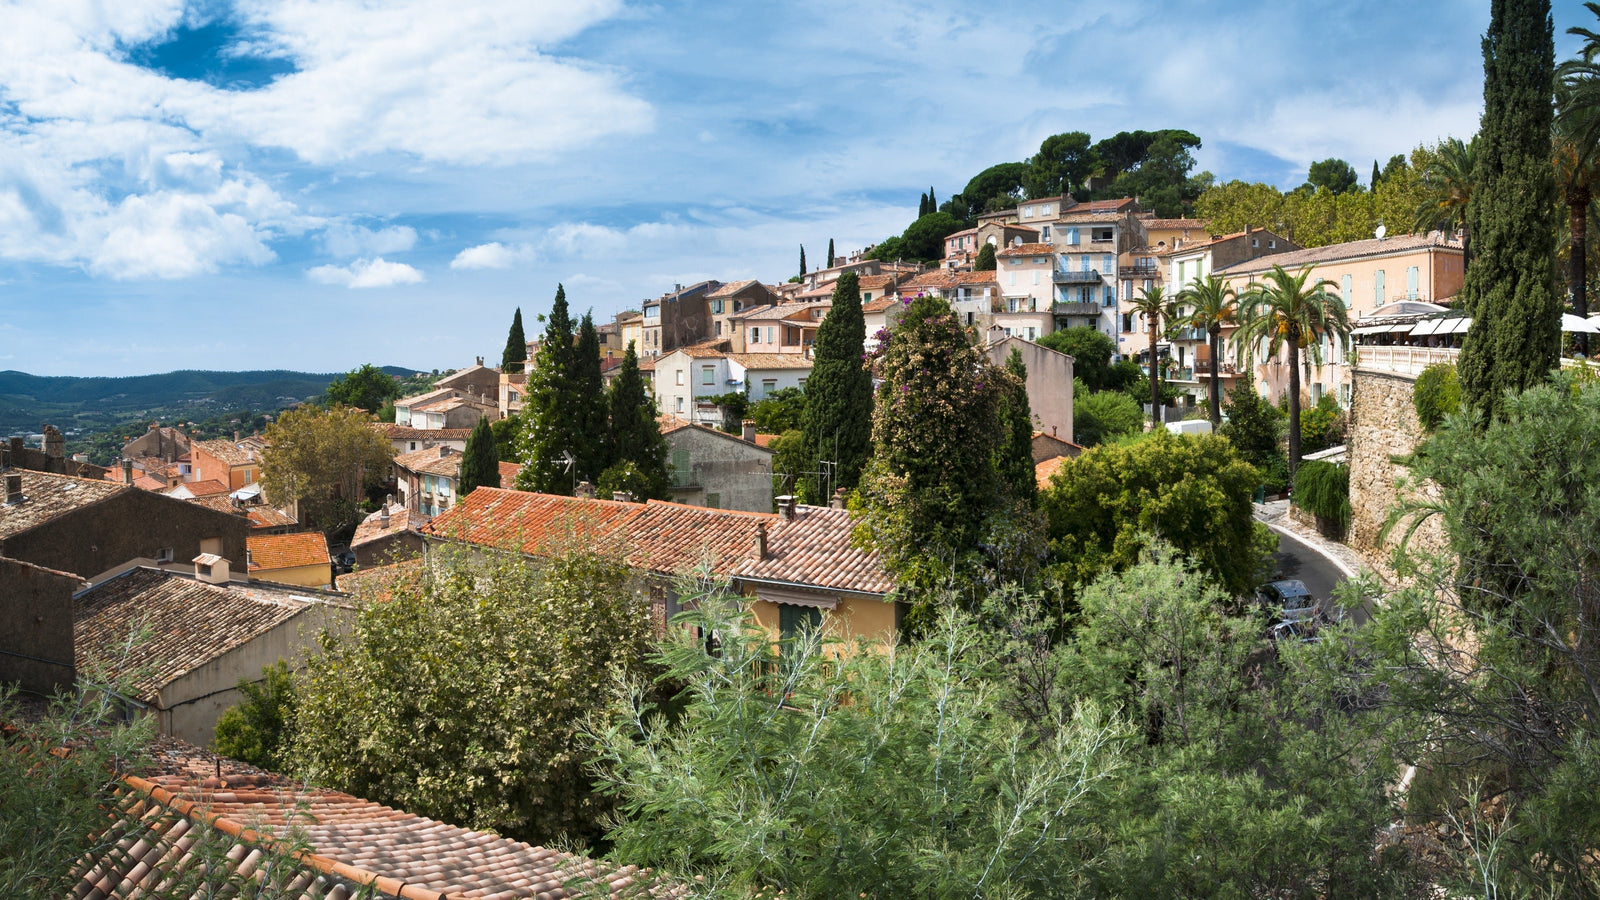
[(493, 255), (366, 273), (344, 239)]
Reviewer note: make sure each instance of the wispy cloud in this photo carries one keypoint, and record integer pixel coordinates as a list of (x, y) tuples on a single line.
[(367, 273)]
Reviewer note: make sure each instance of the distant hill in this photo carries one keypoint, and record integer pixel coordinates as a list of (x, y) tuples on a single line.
[(28, 401)]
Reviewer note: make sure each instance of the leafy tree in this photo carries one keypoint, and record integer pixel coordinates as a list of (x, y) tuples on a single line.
[(788, 461), (1322, 426), (1001, 180), (1515, 336), (1100, 416), (1192, 491), (325, 461), (780, 411), (985, 261), (1013, 461), (1447, 177), (552, 409), (1395, 167), (1577, 128), (1377, 176), (1213, 305), (507, 434), (1091, 352), (922, 206), (1335, 176), (366, 388), (1436, 395), (1063, 163), (933, 201), (480, 464), (1282, 312), (916, 785), (256, 729), (635, 438), (735, 406), (1254, 426), (1153, 306), (838, 412), (889, 249), (924, 238), (588, 436), (515, 357), (499, 659), (1161, 178), (1323, 489)]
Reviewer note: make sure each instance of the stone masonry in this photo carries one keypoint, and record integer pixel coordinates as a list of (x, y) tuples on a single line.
[(1383, 426)]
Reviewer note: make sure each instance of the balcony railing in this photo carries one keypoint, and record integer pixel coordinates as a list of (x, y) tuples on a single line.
[(1137, 271), (1076, 309), (1191, 334), (1202, 367), (1090, 277), (1402, 360)]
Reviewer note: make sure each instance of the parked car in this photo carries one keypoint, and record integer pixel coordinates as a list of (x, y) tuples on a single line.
[(1289, 600)]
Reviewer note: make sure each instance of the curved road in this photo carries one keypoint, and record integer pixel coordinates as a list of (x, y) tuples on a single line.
[(1295, 559)]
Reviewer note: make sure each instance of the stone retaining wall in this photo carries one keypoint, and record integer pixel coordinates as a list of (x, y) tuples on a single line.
[(1383, 425)]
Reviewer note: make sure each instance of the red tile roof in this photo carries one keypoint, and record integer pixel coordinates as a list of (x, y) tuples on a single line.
[(431, 461), (879, 305), (144, 482), (1295, 259), (1028, 250), (771, 360), (406, 433), (1043, 471), (207, 488), (816, 548), (287, 551), (532, 523), (227, 451), (372, 528)]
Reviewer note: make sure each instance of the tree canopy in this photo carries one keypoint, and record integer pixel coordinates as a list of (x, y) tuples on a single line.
[(837, 421), (515, 356), (366, 387), (324, 460), (634, 443), (1335, 176), (480, 462), (553, 413)]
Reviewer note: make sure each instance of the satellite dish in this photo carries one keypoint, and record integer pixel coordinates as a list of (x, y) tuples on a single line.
[(1381, 232)]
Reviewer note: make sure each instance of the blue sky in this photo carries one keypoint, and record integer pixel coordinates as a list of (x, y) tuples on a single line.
[(314, 185)]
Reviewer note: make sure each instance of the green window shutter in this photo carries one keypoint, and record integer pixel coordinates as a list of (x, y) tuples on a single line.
[(682, 471), (791, 619), (714, 501)]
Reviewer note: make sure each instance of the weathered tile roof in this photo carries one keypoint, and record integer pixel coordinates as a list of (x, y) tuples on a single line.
[(780, 311), (372, 527), (728, 290), (771, 360), (1176, 224), (508, 473), (262, 516), (1339, 252), (352, 842), (287, 551), (207, 488), (879, 305), (670, 423), (406, 433), (814, 549), (47, 496), (431, 461), (1028, 250), (144, 482), (1046, 469), (227, 451), (189, 623)]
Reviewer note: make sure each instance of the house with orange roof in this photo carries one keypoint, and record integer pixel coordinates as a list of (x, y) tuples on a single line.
[(798, 567), (785, 328), (390, 534), (428, 479), (450, 408), (687, 378), (299, 558), (715, 469), (733, 298), (1026, 275), (973, 295), (195, 489), (226, 462)]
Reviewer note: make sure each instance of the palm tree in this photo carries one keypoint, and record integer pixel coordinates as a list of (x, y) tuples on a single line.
[(1448, 180), (1212, 305), (1283, 312), (1577, 161), (1153, 305)]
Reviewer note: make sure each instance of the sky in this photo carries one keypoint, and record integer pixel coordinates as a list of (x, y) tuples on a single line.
[(316, 184)]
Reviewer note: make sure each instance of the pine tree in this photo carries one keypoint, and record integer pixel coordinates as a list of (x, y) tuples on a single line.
[(480, 464), (1515, 336), (516, 352), (1376, 176), (591, 455), (1014, 458), (550, 407), (634, 439), (830, 253), (838, 415), (802, 260)]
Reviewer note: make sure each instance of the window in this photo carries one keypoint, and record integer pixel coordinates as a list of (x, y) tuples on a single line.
[(1045, 211), (682, 470), (1032, 332), (1109, 295), (679, 376), (680, 404), (1027, 212), (716, 307), (1127, 321), (1035, 276), (1412, 275), (755, 335), (1344, 293), (719, 328), (1107, 263), (1255, 242), (714, 501), (969, 317), (1083, 263), (802, 384), (1033, 304), (1377, 288), (1011, 305), (1127, 292), (164, 555), (1072, 235), (1272, 245), (792, 620), (1038, 260), (768, 385), (413, 445), (1012, 276), (1044, 233), (708, 375), (770, 334), (866, 297)]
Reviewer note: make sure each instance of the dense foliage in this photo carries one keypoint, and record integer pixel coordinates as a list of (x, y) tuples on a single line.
[(1091, 351), (515, 356), (550, 408), (480, 462), (366, 388), (985, 260), (633, 439), (1436, 394), (837, 421), (255, 729), (588, 429), (1100, 416), (461, 695), (782, 410), (1255, 429), (326, 461), (1323, 489), (1105, 506), (1515, 337)]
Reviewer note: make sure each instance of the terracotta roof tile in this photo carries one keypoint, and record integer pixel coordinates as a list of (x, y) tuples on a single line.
[(879, 305), (372, 528), (406, 433), (771, 360), (47, 496), (1338, 252), (728, 290), (529, 522), (230, 453), (1029, 250), (670, 538), (508, 473), (431, 461), (1177, 224), (287, 551), (145, 482), (816, 548), (1043, 471), (190, 623), (207, 488), (780, 311)]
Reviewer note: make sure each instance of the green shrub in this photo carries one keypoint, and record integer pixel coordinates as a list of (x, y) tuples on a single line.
[(1099, 416), (1323, 489), (1437, 394), (253, 730)]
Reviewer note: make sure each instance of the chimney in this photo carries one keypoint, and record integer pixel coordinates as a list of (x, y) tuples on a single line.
[(13, 490), (1247, 229), (53, 445), (480, 360), (622, 496), (584, 490), (5, 457), (749, 429), (383, 516), (213, 569), (236, 437), (761, 540), (444, 450), (786, 507), (127, 471), (838, 499)]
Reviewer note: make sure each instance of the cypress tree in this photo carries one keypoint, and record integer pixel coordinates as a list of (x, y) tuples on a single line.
[(838, 417), (985, 262), (590, 389), (1014, 459), (634, 439), (830, 253), (933, 202), (516, 352), (550, 407), (1515, 337), (922, 206), (480, 464), (1376, 175), (802, 260)]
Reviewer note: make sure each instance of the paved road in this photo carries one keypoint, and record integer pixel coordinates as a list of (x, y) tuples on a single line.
[(1296, 560)]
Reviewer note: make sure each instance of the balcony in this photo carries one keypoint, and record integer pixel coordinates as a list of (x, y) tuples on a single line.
[(1136, 271), (1090, 277), (1202, 368), (1190, 334), (1076, 309)]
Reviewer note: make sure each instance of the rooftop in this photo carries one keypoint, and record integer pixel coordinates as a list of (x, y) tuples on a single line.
[(770, 360), (728, 290), (287, 551), (1028, 250), (227, 451), (439, 460), (406, 433), (373, 527), (1340, 252), (207, 488), (48, 496)]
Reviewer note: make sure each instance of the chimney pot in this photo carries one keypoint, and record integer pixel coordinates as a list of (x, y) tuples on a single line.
[(786, 507), (838, 499), (127, 471), (584, 490), (748, 426), (622, 496), (383, 516), (444, 450), (761, 540), (13, 490)]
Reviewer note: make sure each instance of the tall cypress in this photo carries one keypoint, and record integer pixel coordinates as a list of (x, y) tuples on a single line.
[(550, 407), (590, 393), (933, 202), (480, 463), (922, 206), (516, 352), (802, 260), (1376, 175), (1515, 338), (634, 438), (838, 415), (830, 253), (1014, 454)]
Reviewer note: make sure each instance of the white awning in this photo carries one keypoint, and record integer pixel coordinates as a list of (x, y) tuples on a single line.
[(1382, 328), (1462, 324), (1426, 327)]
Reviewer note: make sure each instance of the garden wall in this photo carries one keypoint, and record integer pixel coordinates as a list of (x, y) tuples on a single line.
[(1383, 425)]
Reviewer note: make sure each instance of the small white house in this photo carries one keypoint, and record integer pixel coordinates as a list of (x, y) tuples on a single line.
[(759, 374)]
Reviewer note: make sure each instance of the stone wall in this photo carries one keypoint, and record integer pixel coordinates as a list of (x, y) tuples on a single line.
[(36, 649), (1383, 425)]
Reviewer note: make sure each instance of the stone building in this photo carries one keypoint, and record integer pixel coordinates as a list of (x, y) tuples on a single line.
[(158, 442), (719, 470)]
